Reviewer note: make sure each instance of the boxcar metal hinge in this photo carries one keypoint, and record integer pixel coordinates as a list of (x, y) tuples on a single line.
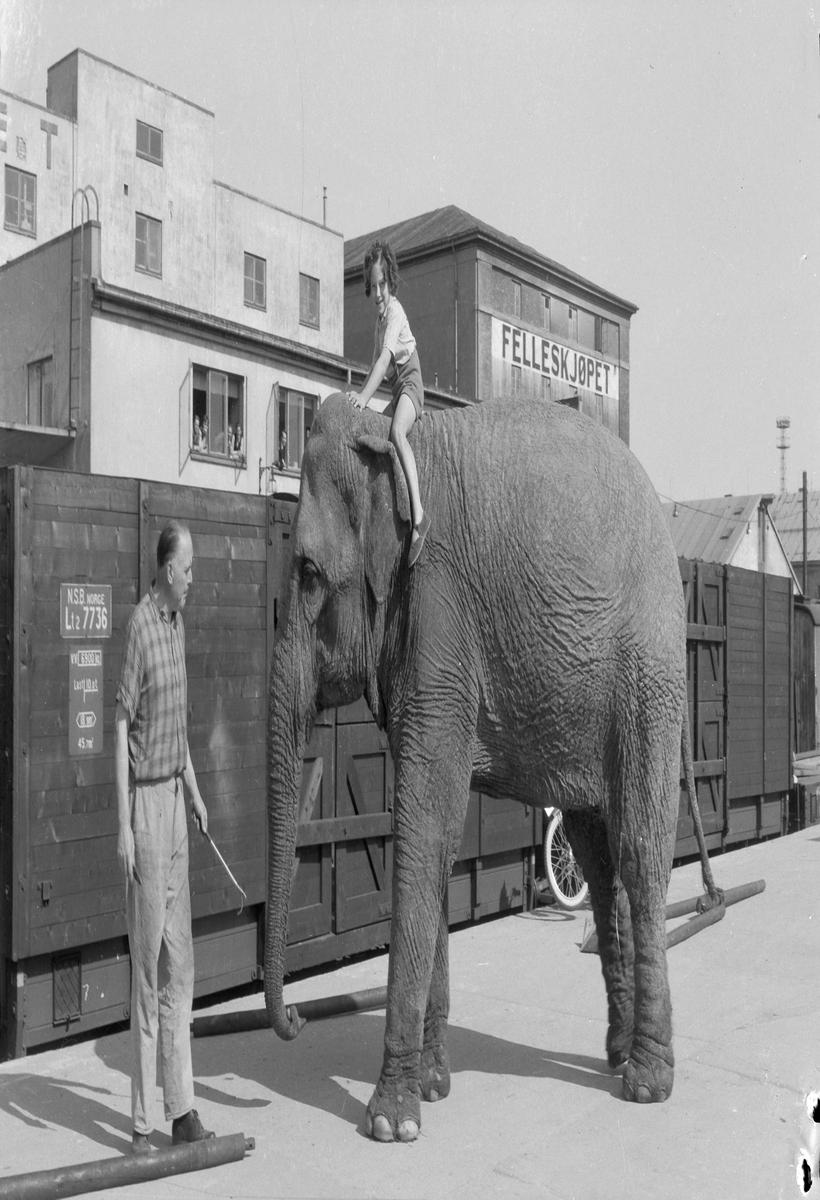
[(46, 888)]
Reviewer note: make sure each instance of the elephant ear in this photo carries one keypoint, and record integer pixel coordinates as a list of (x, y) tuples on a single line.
[(382, 535)]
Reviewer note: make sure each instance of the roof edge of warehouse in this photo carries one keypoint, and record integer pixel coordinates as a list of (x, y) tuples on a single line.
[(451, 226)]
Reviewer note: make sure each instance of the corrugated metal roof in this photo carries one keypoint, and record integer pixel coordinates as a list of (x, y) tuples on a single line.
[(710, 530), (787, 512), (445, 225)]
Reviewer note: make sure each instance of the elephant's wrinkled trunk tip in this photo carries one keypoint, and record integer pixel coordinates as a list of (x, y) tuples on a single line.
[(286, 1022)]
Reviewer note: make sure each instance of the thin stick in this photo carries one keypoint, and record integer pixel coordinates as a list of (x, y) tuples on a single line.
[(230, 872)]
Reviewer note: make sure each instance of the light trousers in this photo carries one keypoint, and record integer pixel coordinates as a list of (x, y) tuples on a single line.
[(162, 953)]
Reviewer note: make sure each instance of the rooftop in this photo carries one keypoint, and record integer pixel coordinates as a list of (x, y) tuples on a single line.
[(710, 530), (787, 511), (443, 228)]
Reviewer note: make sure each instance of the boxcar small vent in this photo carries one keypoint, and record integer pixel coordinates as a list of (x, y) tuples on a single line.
[(67, 973)]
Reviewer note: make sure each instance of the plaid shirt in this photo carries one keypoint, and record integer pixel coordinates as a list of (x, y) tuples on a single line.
[(153, 689)]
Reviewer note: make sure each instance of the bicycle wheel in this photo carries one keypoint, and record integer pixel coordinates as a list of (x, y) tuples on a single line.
[(564, 875)]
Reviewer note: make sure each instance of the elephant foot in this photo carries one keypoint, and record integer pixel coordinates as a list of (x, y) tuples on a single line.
[(648, 1078), (435, 1073), (393, 1114)]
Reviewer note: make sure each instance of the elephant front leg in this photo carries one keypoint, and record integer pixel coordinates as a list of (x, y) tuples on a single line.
[(394, 1111), (416, 1064), (435, 1057)]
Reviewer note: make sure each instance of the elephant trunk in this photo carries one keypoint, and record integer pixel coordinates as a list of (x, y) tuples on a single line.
[(291, 709)]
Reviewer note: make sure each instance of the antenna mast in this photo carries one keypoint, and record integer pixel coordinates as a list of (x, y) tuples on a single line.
[(783, 424)]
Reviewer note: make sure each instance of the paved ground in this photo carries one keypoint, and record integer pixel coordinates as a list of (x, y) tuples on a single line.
[(534, 1112)]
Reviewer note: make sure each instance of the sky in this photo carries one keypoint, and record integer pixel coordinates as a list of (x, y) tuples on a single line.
[(669, 152)]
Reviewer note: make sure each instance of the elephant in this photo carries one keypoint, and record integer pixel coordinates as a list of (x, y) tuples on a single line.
[(536, 651)]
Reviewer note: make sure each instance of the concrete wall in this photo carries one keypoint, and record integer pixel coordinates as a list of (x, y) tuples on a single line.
[(290, 246), (140, 377), (206, 226), (34, 321), (179, 193), (27, 150)]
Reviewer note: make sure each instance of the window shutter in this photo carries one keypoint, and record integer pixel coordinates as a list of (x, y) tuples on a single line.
[(186, 419), (271, 444)]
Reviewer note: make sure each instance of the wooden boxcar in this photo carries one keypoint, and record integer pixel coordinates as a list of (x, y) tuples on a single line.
[(739, 668), (63, 942)]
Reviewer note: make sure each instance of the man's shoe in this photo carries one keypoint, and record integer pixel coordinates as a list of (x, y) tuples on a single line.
[(189, 1129), (140, 1144)]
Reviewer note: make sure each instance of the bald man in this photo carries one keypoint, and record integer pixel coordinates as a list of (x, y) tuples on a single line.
[(154, 774)]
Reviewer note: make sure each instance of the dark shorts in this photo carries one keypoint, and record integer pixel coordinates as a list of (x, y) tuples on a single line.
[(407, 382)]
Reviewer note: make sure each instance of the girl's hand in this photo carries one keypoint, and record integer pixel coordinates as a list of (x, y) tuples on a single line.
[(356, 399)]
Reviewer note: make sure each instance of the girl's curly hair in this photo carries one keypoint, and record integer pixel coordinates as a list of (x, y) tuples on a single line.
[(381, 252)]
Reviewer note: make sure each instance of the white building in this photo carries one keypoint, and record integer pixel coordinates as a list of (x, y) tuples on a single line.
[(205, 325)]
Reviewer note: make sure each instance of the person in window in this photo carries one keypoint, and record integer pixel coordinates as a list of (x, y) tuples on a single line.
[(283, 451), (238, 440), (197, 434), (395, 360), (205, 441)]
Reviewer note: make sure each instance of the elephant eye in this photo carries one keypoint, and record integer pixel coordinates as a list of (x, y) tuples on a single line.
[(310, 572), (310, 583)]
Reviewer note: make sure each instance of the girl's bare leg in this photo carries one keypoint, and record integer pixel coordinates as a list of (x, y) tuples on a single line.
[(404, 417)]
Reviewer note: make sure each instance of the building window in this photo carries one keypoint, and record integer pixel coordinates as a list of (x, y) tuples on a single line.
[(572, 323), (254, 281), (294, 419), (21, 202), (546, 312), (516, 299), (309, 301), (546, 393), (516, 381), (149, 245), (586, 328), (40, 408), (149, 142), (218, 414), (612, 339)]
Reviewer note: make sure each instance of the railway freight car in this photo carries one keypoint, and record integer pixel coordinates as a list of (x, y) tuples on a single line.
[(76, 553)]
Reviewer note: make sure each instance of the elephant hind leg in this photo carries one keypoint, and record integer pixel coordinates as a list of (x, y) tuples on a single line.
[(650, 1071), (587, 835)]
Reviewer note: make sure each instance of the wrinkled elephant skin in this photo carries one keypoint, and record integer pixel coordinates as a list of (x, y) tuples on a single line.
[(535, 651)]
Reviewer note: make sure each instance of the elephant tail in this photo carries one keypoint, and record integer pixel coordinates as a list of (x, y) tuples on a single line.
[(714, 895)]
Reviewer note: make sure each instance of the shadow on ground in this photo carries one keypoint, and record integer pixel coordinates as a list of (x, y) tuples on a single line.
[(314, 1069), (329, 1062), (41, 1103)]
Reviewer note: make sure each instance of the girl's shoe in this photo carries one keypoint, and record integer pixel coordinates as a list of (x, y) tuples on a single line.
[(415, 547)]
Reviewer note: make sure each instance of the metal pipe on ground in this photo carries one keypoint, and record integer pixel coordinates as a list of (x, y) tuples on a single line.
[(731, 896), (681, 907), (82, 1178), (311, 1010), (695, 925)]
